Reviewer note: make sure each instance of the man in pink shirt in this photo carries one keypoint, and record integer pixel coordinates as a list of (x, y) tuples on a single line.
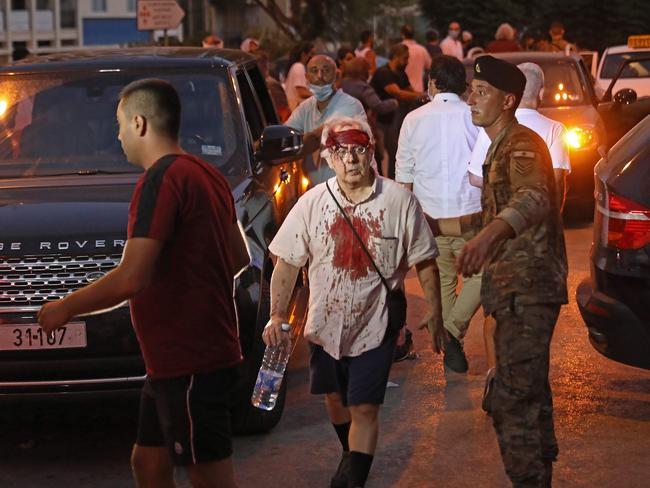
[(419, 59)]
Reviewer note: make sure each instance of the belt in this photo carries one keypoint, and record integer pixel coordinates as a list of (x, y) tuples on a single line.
[(455, 226)]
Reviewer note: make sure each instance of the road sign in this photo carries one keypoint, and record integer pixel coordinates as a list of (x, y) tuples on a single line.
[(159, 14)]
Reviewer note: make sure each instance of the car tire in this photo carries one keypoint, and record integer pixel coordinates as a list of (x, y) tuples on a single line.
[(247, 419)]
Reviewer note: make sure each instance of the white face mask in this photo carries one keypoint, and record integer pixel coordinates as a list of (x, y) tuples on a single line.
[(454, 34), (321, 92)]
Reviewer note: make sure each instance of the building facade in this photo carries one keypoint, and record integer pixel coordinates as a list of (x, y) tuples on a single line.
[(46, 26)]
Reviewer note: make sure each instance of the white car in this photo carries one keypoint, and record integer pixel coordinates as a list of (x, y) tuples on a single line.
[(635, 76)]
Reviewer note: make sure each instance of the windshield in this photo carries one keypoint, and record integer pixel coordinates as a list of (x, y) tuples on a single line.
[(563, 84), (636, 69), (65, 123)]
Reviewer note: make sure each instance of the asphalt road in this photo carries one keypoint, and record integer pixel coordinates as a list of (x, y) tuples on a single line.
[(433, 433)]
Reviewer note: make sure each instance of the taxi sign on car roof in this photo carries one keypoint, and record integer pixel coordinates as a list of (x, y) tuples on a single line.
[(638, 42)]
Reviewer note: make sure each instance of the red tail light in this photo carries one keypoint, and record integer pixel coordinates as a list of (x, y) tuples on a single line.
[(628, 223)]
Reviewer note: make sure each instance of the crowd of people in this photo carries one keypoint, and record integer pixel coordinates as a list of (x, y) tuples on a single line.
[(485, 175), (405, 174)]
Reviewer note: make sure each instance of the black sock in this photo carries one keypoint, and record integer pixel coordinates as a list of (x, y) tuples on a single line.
[(343, 431), (360, 463)]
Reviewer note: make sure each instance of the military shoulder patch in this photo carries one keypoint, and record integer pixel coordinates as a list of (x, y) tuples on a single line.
[(524, 161)]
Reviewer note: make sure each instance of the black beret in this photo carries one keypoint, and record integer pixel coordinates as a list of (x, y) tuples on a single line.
[(500, 74)]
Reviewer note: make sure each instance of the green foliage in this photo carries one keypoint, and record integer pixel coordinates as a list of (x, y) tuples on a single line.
[(337, 20), (591, 24)]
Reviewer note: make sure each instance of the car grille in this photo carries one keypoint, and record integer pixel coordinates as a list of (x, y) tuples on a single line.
[(28, 281)]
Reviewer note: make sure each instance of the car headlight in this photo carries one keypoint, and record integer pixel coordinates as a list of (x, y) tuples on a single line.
[(581, 138)]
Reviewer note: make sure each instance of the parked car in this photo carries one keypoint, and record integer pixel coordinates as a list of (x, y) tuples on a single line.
[(568, 97), (636, 74), (66, 186), (623, 109), (614, 300)]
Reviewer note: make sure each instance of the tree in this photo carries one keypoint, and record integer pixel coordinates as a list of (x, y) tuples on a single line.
[(306, 19), (333, 19), (591, 24)]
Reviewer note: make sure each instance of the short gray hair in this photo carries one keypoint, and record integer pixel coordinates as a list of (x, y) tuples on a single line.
[(338, 123), (534, 81), (505, 32)]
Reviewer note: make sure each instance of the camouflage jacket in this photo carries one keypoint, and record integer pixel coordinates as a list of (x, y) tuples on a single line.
[(519, 188)]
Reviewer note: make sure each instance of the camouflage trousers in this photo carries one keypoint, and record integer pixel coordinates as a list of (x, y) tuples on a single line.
[(522, 405)]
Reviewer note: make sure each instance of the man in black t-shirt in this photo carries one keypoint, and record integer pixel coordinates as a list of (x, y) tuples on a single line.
[(390, 81)]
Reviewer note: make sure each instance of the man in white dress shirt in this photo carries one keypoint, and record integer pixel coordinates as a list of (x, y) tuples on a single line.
[(553, 133), (435, 145), (452, 45)]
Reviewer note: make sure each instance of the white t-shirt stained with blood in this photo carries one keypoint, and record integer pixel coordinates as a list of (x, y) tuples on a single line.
[(347, 300)]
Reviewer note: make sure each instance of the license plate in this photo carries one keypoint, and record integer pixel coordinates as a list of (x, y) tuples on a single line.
[(30, 336)]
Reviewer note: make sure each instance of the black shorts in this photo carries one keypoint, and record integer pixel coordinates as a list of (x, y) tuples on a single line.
[(189, 415), (359, 380)]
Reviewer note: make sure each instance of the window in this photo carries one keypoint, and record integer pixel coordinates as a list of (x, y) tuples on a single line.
[(68, 14), (263, 95), (65, 122), (636, 69), (251, 109), (130, 5), (99, 5)]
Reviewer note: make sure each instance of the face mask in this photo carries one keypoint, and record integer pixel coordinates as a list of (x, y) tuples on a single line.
[(454, 34), (321, 92)]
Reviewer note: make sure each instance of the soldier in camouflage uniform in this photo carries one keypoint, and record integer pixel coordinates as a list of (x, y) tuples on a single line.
[(521, 248)]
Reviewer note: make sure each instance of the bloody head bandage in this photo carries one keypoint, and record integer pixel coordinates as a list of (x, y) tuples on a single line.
[(354, 137)]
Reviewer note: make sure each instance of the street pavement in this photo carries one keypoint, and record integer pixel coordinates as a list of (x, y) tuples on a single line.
[(433, 432)]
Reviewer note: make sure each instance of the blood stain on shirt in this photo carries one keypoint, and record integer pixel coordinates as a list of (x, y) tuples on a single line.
[(348, 254)]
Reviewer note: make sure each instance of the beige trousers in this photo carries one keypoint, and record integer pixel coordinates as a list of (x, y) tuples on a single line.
[(458, 307)]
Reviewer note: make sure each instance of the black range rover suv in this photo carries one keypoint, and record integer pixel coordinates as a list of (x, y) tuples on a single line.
[(64, 191)]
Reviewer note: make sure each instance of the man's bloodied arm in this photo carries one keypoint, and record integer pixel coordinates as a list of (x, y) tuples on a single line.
[(429, 278), (283, 281)]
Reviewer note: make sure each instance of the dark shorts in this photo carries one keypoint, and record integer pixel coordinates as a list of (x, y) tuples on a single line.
[(359, 379), (189, 415)]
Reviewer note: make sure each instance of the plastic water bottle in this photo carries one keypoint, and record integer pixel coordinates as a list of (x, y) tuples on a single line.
[(269, 379)]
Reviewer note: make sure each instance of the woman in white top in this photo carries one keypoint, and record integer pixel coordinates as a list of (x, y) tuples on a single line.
[(296, 84)]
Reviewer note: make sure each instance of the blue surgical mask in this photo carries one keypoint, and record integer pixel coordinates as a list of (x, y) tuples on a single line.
[(321, 92)]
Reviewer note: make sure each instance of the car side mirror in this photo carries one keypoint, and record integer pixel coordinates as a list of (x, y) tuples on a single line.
[(278, 143), (626, 96)]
